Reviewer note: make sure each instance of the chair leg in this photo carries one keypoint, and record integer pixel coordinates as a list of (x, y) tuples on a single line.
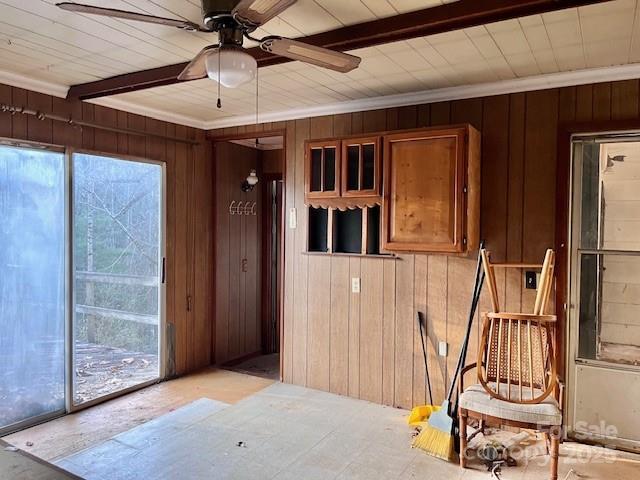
[(462, 417), (555, 447)]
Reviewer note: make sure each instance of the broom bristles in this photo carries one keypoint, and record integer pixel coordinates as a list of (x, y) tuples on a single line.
[(435, 442)]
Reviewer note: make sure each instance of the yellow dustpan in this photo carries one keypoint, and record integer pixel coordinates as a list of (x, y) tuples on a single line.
[(420, 414)]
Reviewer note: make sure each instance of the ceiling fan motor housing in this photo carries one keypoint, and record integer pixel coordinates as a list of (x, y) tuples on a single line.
[(213, 11)]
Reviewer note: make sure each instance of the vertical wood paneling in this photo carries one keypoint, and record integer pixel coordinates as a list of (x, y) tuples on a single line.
[(19, 122), (622, 95), (539, 172), (353, 357), (238, 248), (389, 332), (290, 257), (421, 273), (405, 289), (39, 130), (300, 268), (602, 101), (5, 118), (373, 349), (515, 198), (318, 368), (371, 324), (339, 326)]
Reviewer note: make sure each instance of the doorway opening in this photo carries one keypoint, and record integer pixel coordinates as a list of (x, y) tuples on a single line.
[(250, 255)]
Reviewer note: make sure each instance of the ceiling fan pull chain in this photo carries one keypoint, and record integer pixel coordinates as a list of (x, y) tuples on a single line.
[(219, 104)]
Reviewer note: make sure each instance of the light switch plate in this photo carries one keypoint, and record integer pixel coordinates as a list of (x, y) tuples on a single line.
[(443, 349), (293, 218), (355, 285)]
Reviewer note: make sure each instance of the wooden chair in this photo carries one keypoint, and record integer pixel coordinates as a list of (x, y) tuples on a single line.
[(516, 367)]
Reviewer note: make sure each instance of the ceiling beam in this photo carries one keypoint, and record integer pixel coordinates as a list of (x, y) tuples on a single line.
[(429, 21)]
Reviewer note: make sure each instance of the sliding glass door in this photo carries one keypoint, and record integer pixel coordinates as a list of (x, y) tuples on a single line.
[(81, 280), (32, 285), (117, 239)]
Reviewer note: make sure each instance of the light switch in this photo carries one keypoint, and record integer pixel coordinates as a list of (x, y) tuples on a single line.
[(443, 349), (293, 218), (355, 285)]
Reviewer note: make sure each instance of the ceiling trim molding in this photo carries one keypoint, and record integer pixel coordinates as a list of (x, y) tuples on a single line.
[(538, 82), (28, 83), (165, 116)]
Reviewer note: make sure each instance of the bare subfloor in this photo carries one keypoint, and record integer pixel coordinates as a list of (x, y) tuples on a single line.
[(286, 432), (71, 433), (221, 424), (265, 366)]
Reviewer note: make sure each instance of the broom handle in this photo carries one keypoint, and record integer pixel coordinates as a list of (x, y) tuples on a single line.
[(474, 304)]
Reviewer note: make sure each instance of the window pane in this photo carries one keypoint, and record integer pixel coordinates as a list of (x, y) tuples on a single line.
[(590, 195), (329, 169), (32, 290), (620, 195), (117, 208), (353, 167), (368, 166), (609, 308), (316, 169)]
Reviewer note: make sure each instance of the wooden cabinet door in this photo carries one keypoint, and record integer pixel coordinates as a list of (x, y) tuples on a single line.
[(361, 167), (424, 180), (322, 169)]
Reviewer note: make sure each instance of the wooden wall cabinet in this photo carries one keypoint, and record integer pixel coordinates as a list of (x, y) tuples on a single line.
[(361, 167), (432, 190), (322, 169)]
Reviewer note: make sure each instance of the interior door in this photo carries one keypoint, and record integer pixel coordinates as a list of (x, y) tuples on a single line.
[(32, 285), (117, 275), (604, 373)]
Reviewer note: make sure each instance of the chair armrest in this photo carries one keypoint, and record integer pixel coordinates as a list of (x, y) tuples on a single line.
[(522, 316), (464, 370)]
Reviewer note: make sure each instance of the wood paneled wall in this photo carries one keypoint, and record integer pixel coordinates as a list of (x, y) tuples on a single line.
[(367, 345), (189, 215), (238, 255)]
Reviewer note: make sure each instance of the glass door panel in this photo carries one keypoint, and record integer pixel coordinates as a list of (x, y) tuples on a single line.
[(117, 212), (32, 285)]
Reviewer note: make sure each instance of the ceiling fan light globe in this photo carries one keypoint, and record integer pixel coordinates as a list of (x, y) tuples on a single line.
[(236, 67)]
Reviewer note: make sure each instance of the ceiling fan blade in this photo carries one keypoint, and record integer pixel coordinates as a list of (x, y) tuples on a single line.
[(322, 57), (259, 12), (197, 67), (139, 17)]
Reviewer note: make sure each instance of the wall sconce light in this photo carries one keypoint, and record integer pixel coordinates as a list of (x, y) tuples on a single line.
[(250, 182)]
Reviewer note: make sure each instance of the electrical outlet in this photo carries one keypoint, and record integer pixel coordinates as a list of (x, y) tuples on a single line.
[(443, 349), (355, 285), (530, 280), (293, 218)]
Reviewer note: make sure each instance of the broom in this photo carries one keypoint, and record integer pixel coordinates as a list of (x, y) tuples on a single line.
[(437, 436)]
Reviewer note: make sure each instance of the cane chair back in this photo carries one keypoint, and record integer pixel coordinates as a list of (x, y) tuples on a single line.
[(516, 361)]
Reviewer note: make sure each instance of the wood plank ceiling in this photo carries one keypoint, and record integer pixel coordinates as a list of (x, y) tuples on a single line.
[(39, 41)]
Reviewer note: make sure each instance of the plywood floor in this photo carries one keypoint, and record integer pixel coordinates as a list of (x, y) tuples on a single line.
[(69, 434), (286, 432)]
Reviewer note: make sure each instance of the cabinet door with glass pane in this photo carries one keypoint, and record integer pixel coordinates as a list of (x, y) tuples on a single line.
[(361, 167), (322, 170)]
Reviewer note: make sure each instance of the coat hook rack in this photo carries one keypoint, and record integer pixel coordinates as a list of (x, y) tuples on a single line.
[(243, 208)]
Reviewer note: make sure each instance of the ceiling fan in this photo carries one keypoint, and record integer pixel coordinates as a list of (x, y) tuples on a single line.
[(227, 62)]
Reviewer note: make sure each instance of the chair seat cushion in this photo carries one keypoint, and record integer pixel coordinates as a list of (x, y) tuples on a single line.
[(477, 399)]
